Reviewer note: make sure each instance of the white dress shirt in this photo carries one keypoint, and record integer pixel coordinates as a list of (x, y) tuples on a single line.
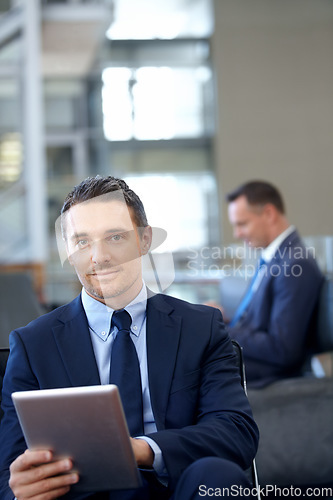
[(268, 253), (99, 319)]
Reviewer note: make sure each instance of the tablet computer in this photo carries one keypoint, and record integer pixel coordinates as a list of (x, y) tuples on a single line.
[(86, 424)]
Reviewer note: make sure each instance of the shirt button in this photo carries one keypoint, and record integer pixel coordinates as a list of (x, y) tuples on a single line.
[(135, 327), (103, 333)]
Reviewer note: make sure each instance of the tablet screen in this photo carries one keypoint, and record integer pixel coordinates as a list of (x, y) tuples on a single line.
[(86, 424)]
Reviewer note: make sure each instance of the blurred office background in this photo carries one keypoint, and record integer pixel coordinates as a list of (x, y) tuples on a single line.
[(184, 99)]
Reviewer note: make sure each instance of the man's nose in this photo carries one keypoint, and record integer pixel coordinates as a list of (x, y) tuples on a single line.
[(100, 252)]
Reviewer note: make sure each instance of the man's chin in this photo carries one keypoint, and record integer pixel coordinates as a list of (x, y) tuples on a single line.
[(103, 295)]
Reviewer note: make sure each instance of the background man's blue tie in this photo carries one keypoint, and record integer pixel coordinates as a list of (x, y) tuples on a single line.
[(247, 297), (125, 372)]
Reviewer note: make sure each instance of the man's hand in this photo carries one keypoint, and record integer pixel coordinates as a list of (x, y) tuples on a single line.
[(34, 476), (143, 453)]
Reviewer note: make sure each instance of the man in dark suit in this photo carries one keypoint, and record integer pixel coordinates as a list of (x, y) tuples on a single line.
[(198, 432), (274, 320)]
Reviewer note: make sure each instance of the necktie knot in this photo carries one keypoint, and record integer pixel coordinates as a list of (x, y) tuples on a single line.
[(261, 262), (122, 320)]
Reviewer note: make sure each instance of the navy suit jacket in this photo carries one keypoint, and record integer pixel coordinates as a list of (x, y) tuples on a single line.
[(276, 328), (199, 405)]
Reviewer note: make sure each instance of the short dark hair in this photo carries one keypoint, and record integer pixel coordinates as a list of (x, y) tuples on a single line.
[(258, 193), (93, 187)]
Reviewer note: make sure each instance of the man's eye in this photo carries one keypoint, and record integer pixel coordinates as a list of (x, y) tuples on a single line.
[(115, 237), (82, 243)]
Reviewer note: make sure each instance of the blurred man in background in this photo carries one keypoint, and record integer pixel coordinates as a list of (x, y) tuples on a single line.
[(274, 318)]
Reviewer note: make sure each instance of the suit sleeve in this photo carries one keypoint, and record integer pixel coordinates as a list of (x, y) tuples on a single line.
[(222, 425), (276, 338), (18, 377)]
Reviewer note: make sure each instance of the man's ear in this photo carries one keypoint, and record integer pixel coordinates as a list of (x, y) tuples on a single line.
[(270, 212), (146, 239)]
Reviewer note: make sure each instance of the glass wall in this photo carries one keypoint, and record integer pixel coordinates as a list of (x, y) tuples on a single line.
[(140, 107), (145, 113), (13, 242)]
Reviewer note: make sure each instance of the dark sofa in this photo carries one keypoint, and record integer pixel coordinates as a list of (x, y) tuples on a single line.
[(295, 417)]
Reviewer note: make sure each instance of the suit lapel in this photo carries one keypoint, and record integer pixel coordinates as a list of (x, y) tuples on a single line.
[(283, 253), (286, 249), (75, 346), (163, 332)]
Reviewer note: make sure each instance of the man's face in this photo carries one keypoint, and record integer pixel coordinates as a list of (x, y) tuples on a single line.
[(250, 223), (104, 246)]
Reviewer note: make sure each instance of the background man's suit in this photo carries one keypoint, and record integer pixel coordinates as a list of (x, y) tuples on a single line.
[(276, 327), (199, 405)]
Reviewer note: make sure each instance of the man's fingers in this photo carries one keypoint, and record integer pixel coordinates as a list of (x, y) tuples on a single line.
[(29, 459), (33, 474), (50, 488)]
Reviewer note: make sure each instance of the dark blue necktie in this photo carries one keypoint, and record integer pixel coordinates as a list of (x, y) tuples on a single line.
[(125, 372), (247, 297)]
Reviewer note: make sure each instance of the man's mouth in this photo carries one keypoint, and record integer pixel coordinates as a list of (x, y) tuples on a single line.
[(103, 272)]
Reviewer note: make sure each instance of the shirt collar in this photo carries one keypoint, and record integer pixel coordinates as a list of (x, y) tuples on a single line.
[(268, 253), (99, 315), (137, 310)]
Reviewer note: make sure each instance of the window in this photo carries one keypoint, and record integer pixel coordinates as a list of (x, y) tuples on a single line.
[(161, 19), (180, 204), (153, 103)]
